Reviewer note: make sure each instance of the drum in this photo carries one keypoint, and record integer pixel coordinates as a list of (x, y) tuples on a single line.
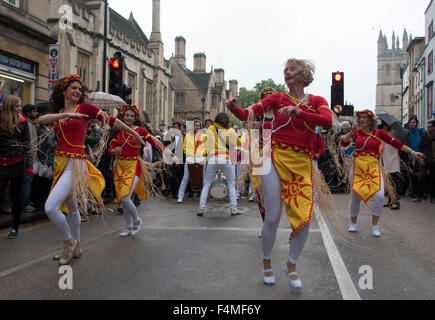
[(196, 176), (219, 187)]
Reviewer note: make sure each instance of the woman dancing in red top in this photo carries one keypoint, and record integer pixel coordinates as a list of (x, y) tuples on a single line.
[(75, 178), (366, 178), (290, 178), (128, 173)]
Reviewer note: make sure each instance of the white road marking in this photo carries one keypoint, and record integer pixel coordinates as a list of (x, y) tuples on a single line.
[(347, 288)]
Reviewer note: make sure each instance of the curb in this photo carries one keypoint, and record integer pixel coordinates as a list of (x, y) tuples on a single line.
[(27, 217)]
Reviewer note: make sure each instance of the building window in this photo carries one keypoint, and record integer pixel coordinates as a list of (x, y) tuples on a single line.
[(429, 100), (430, 63), (213, 101), (83, 66), (149, 97), (15, 3), (179, 99), (132, 83), (387, 70), (430, 31)]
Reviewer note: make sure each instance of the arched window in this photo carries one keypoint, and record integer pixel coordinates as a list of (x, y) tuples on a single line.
[(388, 70)]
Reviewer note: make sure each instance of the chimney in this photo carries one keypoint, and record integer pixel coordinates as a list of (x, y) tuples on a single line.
[(155, 34), (234, 88), (199, 60), (219, 75), (180, 51)]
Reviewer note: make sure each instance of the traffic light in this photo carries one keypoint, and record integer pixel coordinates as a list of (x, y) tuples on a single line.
[(337, 92), (116, 74)]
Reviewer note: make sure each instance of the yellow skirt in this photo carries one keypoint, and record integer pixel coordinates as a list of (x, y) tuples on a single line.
[(123, 177), (95, 181), (295, 169), (366, 177)]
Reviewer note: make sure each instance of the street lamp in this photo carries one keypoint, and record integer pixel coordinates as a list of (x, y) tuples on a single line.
[(105, 45), (203, 110)]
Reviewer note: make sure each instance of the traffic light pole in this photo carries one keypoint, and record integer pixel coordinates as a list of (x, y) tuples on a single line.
[(105, 47)]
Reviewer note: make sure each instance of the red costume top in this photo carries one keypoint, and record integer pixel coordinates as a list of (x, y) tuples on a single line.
[(130, 148), (366, 144), (299, 130), (71, 133), (318, 145)]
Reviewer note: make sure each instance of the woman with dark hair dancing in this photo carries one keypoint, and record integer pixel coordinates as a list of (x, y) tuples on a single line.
[(76, 181), (290, 178), (129, 169), (366, 176)]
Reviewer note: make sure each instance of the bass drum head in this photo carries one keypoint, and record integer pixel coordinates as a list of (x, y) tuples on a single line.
[(219, 188), (219, 192)]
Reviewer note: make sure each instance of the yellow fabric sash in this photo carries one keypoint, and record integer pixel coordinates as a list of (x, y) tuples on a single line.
[(96, 182), (295, 170), (366, 177), (123, 178)]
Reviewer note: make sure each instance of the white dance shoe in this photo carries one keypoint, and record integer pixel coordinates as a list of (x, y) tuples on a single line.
[(136, 231), (353, 227), (293, 283), (376, 232), (126, 233), (269, 280)]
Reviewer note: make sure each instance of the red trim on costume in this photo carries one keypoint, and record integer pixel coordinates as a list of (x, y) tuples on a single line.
[(10, 161)]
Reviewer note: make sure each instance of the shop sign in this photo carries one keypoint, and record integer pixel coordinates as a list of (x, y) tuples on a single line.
[(11, 61)]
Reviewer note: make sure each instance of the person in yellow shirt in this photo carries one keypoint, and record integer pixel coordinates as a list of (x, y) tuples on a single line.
[(222, 141), (194, 149)]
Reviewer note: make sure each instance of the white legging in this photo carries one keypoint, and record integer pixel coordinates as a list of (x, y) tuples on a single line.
[(229, 173), (130, 212), (273, 204), (70, 225), (355, 200)]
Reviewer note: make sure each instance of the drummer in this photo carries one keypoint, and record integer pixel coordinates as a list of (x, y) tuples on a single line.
[(194, 149), (221, 141)]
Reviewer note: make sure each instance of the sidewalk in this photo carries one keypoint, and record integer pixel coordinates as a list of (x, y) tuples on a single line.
[(6, 218)]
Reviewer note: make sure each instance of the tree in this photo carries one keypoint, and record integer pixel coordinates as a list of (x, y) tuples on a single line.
[(247, 97)]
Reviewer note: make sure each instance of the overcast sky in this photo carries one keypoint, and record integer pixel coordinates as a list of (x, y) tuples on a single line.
[(252, 39)]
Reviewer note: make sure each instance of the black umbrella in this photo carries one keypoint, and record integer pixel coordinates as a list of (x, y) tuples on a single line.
[(393, 123)]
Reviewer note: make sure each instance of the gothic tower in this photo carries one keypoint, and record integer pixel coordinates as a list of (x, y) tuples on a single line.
[(390, 63)]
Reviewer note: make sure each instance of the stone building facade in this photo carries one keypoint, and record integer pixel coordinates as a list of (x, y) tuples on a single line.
[(390, 64), (81, 46), (24, 46), (416, 78), (429, 74), (198, 94)]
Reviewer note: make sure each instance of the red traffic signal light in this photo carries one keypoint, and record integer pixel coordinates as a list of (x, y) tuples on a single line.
[(338, 77), (114, 63)]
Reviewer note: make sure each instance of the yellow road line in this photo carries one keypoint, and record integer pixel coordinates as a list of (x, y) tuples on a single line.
[(23, 230)]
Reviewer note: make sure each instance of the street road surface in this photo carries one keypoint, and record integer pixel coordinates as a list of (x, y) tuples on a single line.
[(178, 255)]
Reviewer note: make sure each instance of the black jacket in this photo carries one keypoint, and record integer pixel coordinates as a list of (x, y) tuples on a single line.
[(17, 144), (425, 147)]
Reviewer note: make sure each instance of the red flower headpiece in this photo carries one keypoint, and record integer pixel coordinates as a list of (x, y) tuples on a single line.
[(125, 107), (368, 112), (71, 78), (265, 94)]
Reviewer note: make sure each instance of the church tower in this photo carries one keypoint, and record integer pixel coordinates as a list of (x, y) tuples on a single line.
[(390, 64)]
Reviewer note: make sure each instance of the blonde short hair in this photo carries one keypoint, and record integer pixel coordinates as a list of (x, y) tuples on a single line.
[(307, 69)]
